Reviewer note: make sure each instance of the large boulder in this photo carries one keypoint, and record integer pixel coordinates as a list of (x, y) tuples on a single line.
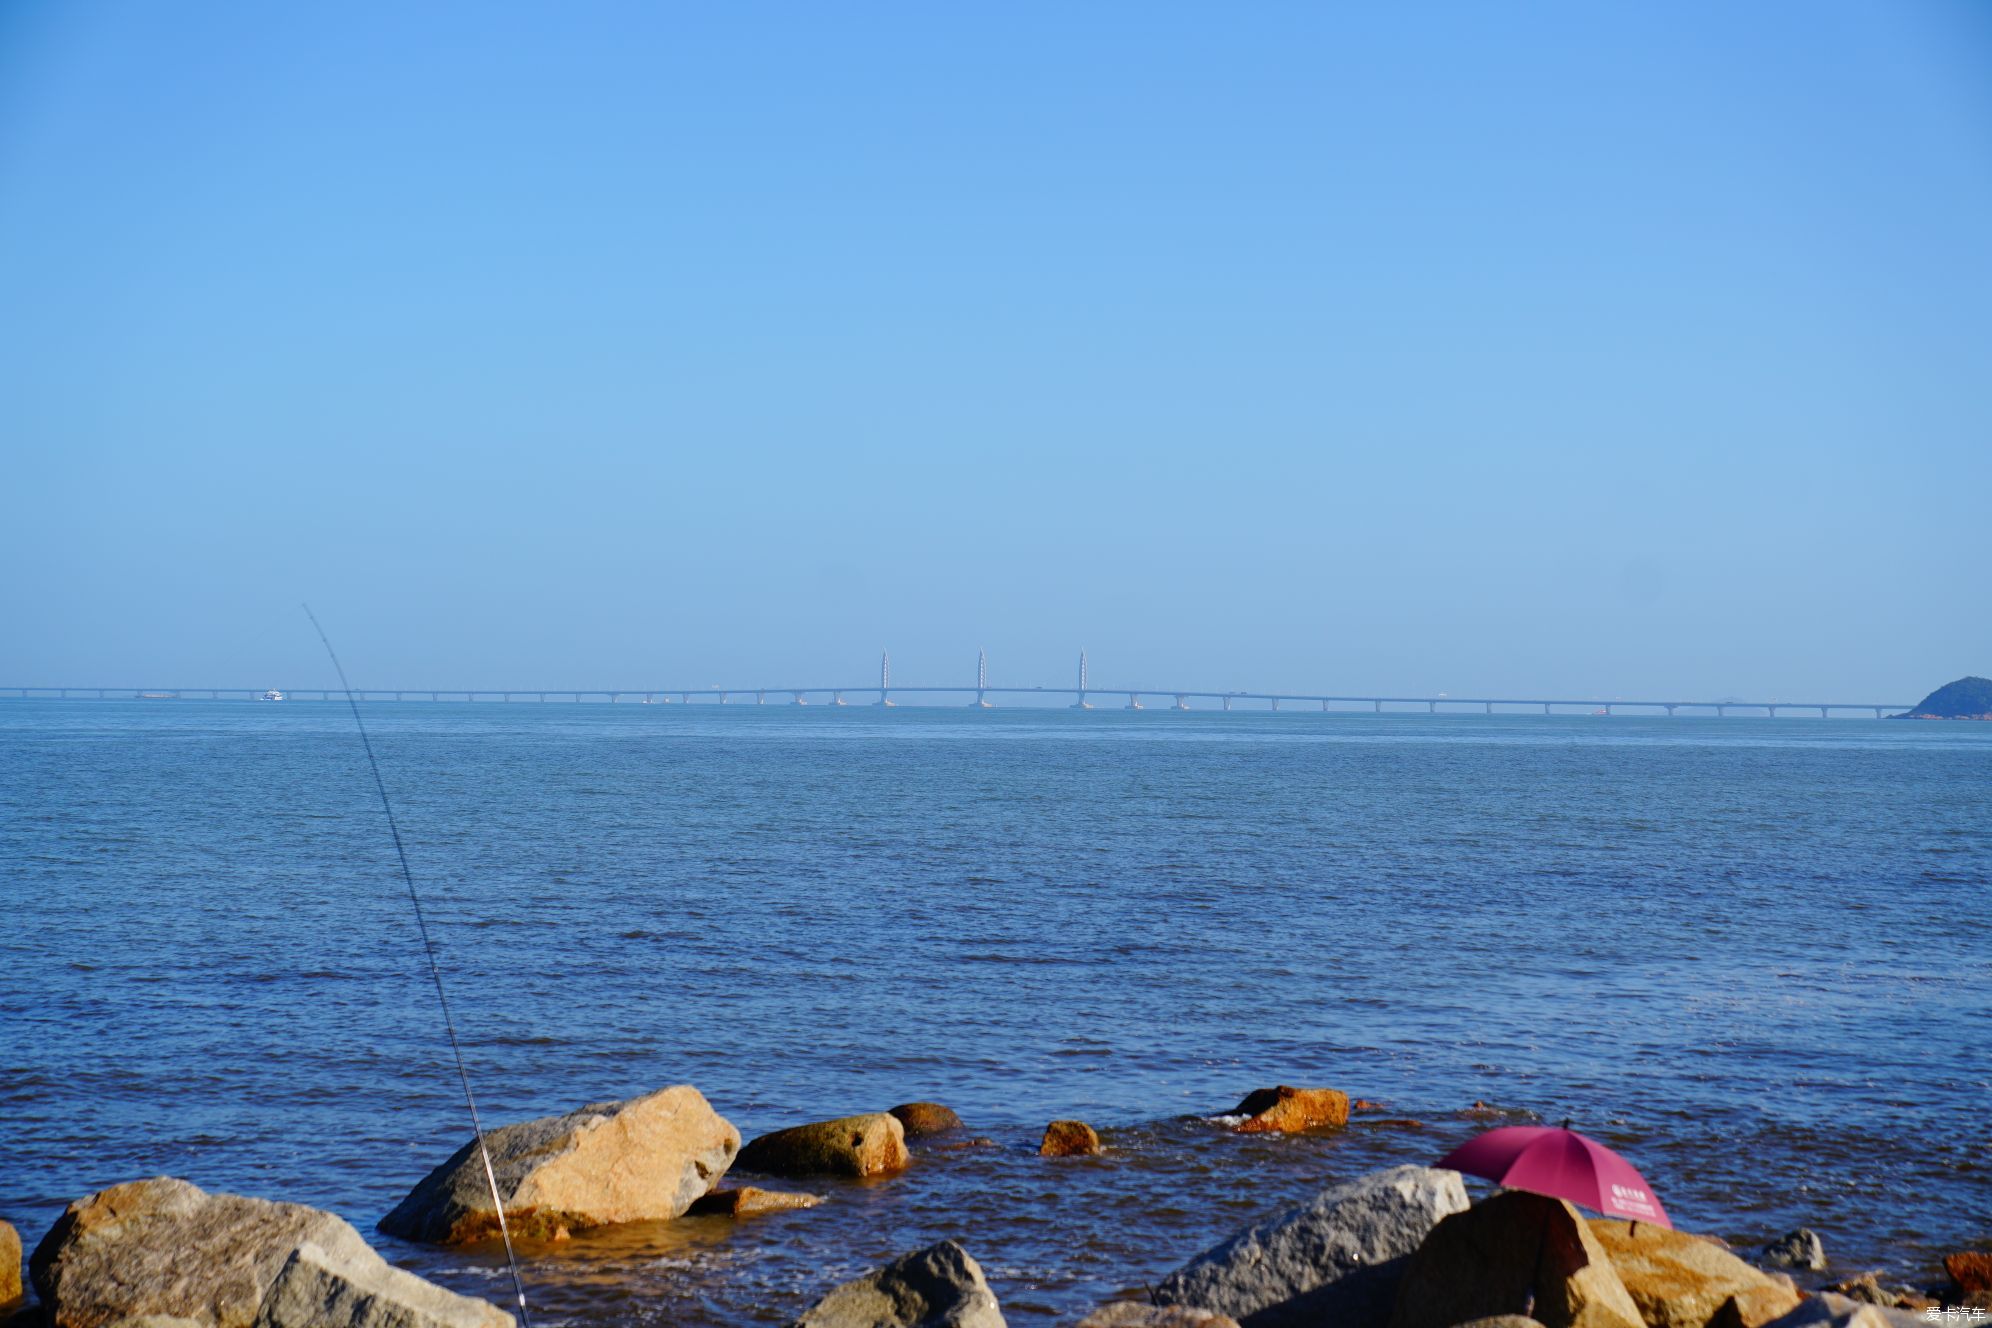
[(1137, 1314), (938, 1287), (921, 1119), (1285, 1110), (1680, 1280), (859, 1146), (318, 1287), (1334, 1257), (1516, 1253), (10, 1264), (166, 1251), (642, 1159)]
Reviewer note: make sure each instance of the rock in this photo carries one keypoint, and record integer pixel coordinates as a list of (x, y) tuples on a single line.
[(1502, 1321), (1970, 1270), (873, 1145), (1135, 1314), (938, 1287), (1364, 1104), (1827, 1310), (638, 1160), (1261, 1275), (921, 1119), (1284, 1110), (166, 1254), (1681, 1281), (319, 1289), (10, 1264), (1505, 1254), (749, 1200), (1795, 1249), (1069, 1138), (1866, 1289)]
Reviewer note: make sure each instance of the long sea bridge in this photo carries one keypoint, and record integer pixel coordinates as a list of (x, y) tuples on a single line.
[(978, 695)]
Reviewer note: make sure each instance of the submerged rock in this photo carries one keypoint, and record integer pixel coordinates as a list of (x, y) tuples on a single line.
[(750, 1200), (1516, 1253), (1285, 1110), (1827, 1310), (1679, 1280), (938, 1287), (1796, 1249), (1136, 1314), (921, 1119), (1069, 1138), (1336, 1258), (10, 1264), (871, 1145), (637, 1160), (164, 1251)]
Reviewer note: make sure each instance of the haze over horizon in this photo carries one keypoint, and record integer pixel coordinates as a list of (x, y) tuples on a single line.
[(1560, 350)]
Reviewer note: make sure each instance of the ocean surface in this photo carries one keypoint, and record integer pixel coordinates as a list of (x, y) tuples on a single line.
[(1749, 954)]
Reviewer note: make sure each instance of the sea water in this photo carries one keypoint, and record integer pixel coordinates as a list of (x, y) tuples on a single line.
[(1749, 954)]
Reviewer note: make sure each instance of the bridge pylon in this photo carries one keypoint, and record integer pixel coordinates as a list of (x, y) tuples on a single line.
[(1082, 703)]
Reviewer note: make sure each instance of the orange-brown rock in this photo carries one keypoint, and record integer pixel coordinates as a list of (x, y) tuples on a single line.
[(750, 1200), (859, 1146), (1069, 1138), (1505, 1254), (920, 1119), (10, 1264), (1285, 1110), (1679, 1280), (1364, 1104), (1971, 1270)]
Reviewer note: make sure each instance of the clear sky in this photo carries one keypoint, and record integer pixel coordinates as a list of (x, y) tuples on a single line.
[(1577, 348)]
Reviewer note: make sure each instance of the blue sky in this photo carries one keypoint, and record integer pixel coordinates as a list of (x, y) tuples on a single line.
[(1570, 348)]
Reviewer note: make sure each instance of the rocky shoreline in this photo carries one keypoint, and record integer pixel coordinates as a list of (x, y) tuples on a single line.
[(1402, 1247)]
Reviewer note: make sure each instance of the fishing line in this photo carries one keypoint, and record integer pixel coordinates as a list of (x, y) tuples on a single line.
[(435, 969)]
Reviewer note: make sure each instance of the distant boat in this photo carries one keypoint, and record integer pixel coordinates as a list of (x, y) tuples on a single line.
[(272, 695)]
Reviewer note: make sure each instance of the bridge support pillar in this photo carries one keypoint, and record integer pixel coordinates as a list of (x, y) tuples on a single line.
[(1227, 703), (1324, 705), (884, 698), (1431, 707), (798, 700), (981, 701), (1379, 707), (1490, 707), (1770, 712), (1182, 703), (1670, 711), (836, 698), (1877, 712), (1545, 707), (1276, 705), (1133, 701), (1822, 712), (760, 698)]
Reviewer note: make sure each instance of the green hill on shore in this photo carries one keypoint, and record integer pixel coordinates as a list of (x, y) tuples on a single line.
[(1967, 698)]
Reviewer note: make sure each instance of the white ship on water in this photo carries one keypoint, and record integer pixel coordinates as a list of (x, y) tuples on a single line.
[(272, 695)]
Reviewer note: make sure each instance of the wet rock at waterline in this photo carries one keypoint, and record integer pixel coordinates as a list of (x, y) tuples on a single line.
[(1137, 1314), (10, 1264), (1285, 1110), (922, 1119), (1069, 1138), (1969, 1270), (857, 1146), (1335, 1257), (637, 1160), (1795, 1249), (750, 1201), (1679, 1280), (165, 1251), (1514, 1254), (938, 1287)]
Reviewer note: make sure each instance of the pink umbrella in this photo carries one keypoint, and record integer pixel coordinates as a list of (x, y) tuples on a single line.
[(1562, 1164)]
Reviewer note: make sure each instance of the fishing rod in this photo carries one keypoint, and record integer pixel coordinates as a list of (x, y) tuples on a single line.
[(435, 969)]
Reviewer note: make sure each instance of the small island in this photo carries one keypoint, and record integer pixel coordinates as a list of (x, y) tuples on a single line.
[(1967, 698)]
